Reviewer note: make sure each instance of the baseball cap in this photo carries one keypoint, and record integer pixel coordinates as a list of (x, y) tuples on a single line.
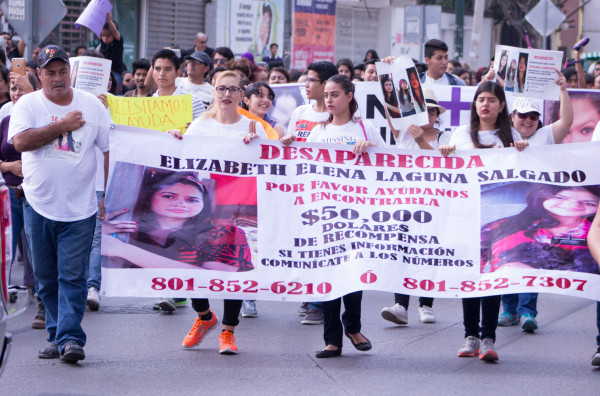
[(201, 57), (526, 105), (51, 52)]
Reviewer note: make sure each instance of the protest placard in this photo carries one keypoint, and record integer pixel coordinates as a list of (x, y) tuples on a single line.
[(312, 222), (159, 113), (403, 97), (94, 15), (90, 74), (528, 72)]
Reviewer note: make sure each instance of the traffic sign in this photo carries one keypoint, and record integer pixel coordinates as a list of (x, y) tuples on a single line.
[(33, 20), (545, 17)]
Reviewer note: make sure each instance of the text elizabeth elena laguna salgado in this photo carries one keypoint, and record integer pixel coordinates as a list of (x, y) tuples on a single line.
[(346, 234)]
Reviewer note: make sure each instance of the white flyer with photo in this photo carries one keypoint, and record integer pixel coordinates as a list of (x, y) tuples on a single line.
[(403, 96), (528, 72), (90, 74)]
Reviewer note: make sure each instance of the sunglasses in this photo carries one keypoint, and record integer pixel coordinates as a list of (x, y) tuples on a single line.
[(533, 116)]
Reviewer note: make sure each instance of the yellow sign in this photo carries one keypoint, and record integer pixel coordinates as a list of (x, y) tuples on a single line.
[(161, 113)]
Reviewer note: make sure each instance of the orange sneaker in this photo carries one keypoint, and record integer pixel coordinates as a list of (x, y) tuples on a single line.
[(199, 330), (227, 343)]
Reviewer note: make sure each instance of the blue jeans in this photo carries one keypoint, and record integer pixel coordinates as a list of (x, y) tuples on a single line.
[(16, 212), (519, 304), (59, 253), (316, 305), (95, 268)]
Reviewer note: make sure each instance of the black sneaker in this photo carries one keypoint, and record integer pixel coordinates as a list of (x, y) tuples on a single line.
[(50, 352), (72, 353)]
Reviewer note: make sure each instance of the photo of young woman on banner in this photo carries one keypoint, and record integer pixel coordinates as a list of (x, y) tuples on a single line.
[(404, 102), (175, 222), (549, 233), (586, 106)]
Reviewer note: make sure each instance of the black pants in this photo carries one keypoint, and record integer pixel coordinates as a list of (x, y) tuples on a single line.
[(402, 299), (231, 309), (333, 332), (490, 307)]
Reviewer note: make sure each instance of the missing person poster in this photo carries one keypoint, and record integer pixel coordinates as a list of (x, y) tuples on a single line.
[(214, 217), (90, 74), (403, 97), (528, 72)]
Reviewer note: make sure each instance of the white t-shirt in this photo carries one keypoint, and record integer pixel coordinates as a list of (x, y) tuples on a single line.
[(303, 120), (542, 136), (461, 138), (59, 177), (197, 104), (429, 81), (406, 141), (349, 133), (595, 136), (210, 127), (202, 91)]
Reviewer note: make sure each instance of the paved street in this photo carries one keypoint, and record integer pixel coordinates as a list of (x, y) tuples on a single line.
[(133, 350)]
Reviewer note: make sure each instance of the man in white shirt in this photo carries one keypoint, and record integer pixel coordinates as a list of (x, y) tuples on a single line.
[(198, 64), (436, 57), (58, 129)]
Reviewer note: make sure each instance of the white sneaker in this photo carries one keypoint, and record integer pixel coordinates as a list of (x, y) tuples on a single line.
[(93, 299), (470, 348), (396, 314), (426, 314)]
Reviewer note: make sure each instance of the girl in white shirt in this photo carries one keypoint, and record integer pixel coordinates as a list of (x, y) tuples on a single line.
[(343, 128), (489, 128)]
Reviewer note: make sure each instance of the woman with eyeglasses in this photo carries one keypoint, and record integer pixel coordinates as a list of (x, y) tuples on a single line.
[(489, 128), (526, 118), (522, 308), (224, 121)]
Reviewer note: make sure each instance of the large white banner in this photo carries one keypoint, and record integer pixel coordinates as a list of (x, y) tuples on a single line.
[(214, 217)]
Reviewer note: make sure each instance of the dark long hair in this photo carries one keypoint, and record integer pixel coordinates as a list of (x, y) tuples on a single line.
[(502, 69), (526, 56), (192, 226), (389, 97), (348, 87), (503, 121)]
